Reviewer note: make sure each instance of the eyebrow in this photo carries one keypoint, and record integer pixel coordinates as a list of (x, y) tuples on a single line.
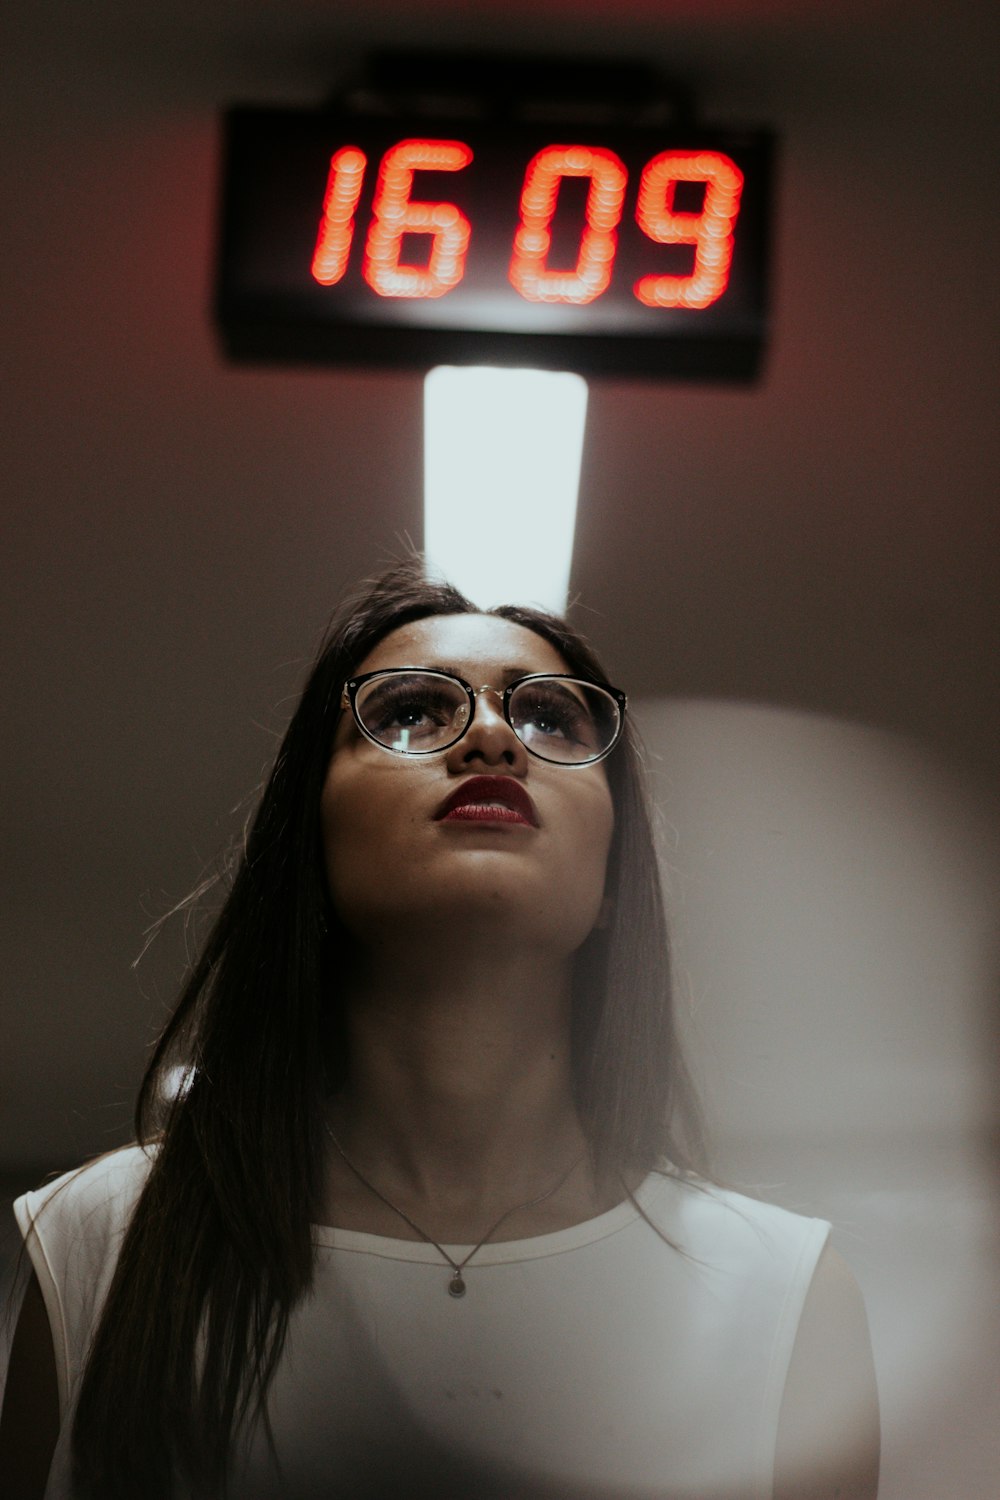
[(506, 675)]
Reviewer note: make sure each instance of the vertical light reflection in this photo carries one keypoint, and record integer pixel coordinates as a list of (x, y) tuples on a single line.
[(502, 452)]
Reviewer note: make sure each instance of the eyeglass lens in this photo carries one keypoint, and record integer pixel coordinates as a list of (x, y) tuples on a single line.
[(418, 712)]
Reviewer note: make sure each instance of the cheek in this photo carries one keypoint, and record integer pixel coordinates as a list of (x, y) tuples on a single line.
[(347, 838), (588, 859), (367, 821), (354, 858), (580, 887), (604, 832), (332, 841), (602, 817)]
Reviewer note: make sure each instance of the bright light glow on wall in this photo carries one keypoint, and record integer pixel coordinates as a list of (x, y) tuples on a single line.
[(502, 453)]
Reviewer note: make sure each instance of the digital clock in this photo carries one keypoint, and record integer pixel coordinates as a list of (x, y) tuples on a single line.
[(413, 241)]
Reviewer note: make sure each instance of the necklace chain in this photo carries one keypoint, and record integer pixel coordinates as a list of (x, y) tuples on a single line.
[(456, 1285)]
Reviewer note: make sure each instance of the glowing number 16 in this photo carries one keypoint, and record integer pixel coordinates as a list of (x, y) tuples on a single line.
[(395, 214)]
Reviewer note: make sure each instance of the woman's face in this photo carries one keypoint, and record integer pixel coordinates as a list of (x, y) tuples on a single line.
[(399, 867)]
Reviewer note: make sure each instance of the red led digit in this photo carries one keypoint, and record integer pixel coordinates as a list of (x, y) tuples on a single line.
[(591, 275), (710, 231), (395, 213), (336, 230)]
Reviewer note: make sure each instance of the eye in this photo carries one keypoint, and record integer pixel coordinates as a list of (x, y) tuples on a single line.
[(403, 711), (552, 711)]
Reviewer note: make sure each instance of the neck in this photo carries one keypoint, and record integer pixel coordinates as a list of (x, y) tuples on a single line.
[(459, 1097)]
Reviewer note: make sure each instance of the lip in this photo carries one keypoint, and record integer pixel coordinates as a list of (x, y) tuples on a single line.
[(488, 799)]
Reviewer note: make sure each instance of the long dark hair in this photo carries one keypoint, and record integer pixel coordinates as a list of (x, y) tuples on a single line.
[(219, 1249)]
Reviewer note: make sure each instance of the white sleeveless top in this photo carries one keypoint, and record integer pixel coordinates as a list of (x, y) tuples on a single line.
[(595, 1363)]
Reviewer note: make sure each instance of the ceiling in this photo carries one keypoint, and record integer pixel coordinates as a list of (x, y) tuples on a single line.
[(177, 531)]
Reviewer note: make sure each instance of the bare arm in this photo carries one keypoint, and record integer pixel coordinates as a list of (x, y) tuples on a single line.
[(29, 1423), (828, 1430)]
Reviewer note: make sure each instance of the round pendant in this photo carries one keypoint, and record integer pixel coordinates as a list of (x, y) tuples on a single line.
[(456, 1285)]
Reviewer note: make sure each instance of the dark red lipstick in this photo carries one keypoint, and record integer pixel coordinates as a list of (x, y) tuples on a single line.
[(489, 799)]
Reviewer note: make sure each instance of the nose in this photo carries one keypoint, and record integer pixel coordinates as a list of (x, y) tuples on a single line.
[(489, 738)]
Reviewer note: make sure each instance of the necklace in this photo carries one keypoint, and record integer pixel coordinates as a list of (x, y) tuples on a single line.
[(456, 1286)]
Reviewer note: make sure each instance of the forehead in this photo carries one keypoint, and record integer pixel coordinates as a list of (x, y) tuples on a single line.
[(481, 648)]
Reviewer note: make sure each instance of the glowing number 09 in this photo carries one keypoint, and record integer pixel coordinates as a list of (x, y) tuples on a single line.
[(395, 214)]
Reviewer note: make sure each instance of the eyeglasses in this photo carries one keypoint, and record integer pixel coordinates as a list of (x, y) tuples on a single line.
[(414, 711)]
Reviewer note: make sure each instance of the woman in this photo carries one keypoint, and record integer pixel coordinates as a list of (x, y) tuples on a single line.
[(424, 1216)]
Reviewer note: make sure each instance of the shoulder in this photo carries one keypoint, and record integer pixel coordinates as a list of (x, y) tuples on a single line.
[(73, 1227), (792, 1292), (735, 1234), (93, 1200), (747, 1266)]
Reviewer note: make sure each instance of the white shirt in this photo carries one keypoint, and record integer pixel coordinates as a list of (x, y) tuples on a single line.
[(597, 1361)]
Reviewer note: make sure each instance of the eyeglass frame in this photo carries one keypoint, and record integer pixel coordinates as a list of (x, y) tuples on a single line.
[(353, 686)]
